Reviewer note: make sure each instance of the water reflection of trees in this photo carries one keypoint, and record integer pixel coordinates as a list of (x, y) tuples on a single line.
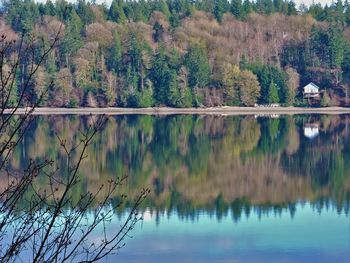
[(212, 163)]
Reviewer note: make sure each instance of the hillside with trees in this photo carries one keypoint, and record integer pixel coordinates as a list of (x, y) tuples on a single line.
[(183, 53)]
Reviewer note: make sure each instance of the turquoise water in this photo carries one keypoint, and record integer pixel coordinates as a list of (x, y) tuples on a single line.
[(308, 236)]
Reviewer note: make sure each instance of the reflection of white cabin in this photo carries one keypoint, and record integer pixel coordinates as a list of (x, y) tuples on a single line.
[(311, 90), (311, 130)]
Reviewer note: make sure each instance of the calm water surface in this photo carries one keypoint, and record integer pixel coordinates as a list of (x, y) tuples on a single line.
[(224, 189)]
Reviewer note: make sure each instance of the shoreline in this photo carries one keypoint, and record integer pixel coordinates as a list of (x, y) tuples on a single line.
[(225, 110)]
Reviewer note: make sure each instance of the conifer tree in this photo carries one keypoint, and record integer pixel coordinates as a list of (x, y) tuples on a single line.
[(116, 11), (114, 59), (237, 9), (72, 40), (197, 63), (273, 93), (160, 75), (336, 47)]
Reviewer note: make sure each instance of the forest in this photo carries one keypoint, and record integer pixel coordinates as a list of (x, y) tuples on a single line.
[(181, 53)]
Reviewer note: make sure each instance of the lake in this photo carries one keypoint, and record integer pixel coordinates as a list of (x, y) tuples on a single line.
[(223, 188)]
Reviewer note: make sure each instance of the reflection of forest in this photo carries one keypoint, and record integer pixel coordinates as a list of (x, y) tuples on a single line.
[(208, 162)]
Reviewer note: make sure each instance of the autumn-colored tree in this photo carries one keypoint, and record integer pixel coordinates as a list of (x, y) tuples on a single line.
[(293, 84), (185, 96), (249, 88), (41, 83), (326, 100), (63, 87), (82, 72), (99, 33), (110, 89), (230, 82)]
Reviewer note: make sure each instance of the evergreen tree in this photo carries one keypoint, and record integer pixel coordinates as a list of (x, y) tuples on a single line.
[(292, 10), (264, 6), (316, 11), (268, 7), (72, 40), (161, 6), (21, 15), (158, 32), (139, 56), (339, 16), (160, 75), (278, 5), (206, 6), (247, 8), (143, 10), (196, 60), (346, 59), (336, 47), (116, 11), (85, 12), (185, 96), (273, 94), (132, 86), (264, 76), (49, 8), (145, 96), (174, 92), (114, 61), (63, 9), (279, 77), (221, 6), (347, 13), (137, 10), (319, 48), (237, 9), (180, 7), (179, 94)]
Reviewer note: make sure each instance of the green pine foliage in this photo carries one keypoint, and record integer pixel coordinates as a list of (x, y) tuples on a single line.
[(273, 94), (196, 60), (116, 11)]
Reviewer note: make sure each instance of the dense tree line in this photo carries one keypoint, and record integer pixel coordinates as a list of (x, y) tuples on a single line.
[(185, 53)]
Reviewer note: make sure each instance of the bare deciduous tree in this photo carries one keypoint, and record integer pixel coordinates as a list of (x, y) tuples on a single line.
[(45, 223)]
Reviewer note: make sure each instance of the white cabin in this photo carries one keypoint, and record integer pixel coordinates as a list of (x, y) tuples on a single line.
[(311, 90), (311, 130)]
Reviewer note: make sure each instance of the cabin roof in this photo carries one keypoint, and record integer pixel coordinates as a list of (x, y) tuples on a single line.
[(312, 85)]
